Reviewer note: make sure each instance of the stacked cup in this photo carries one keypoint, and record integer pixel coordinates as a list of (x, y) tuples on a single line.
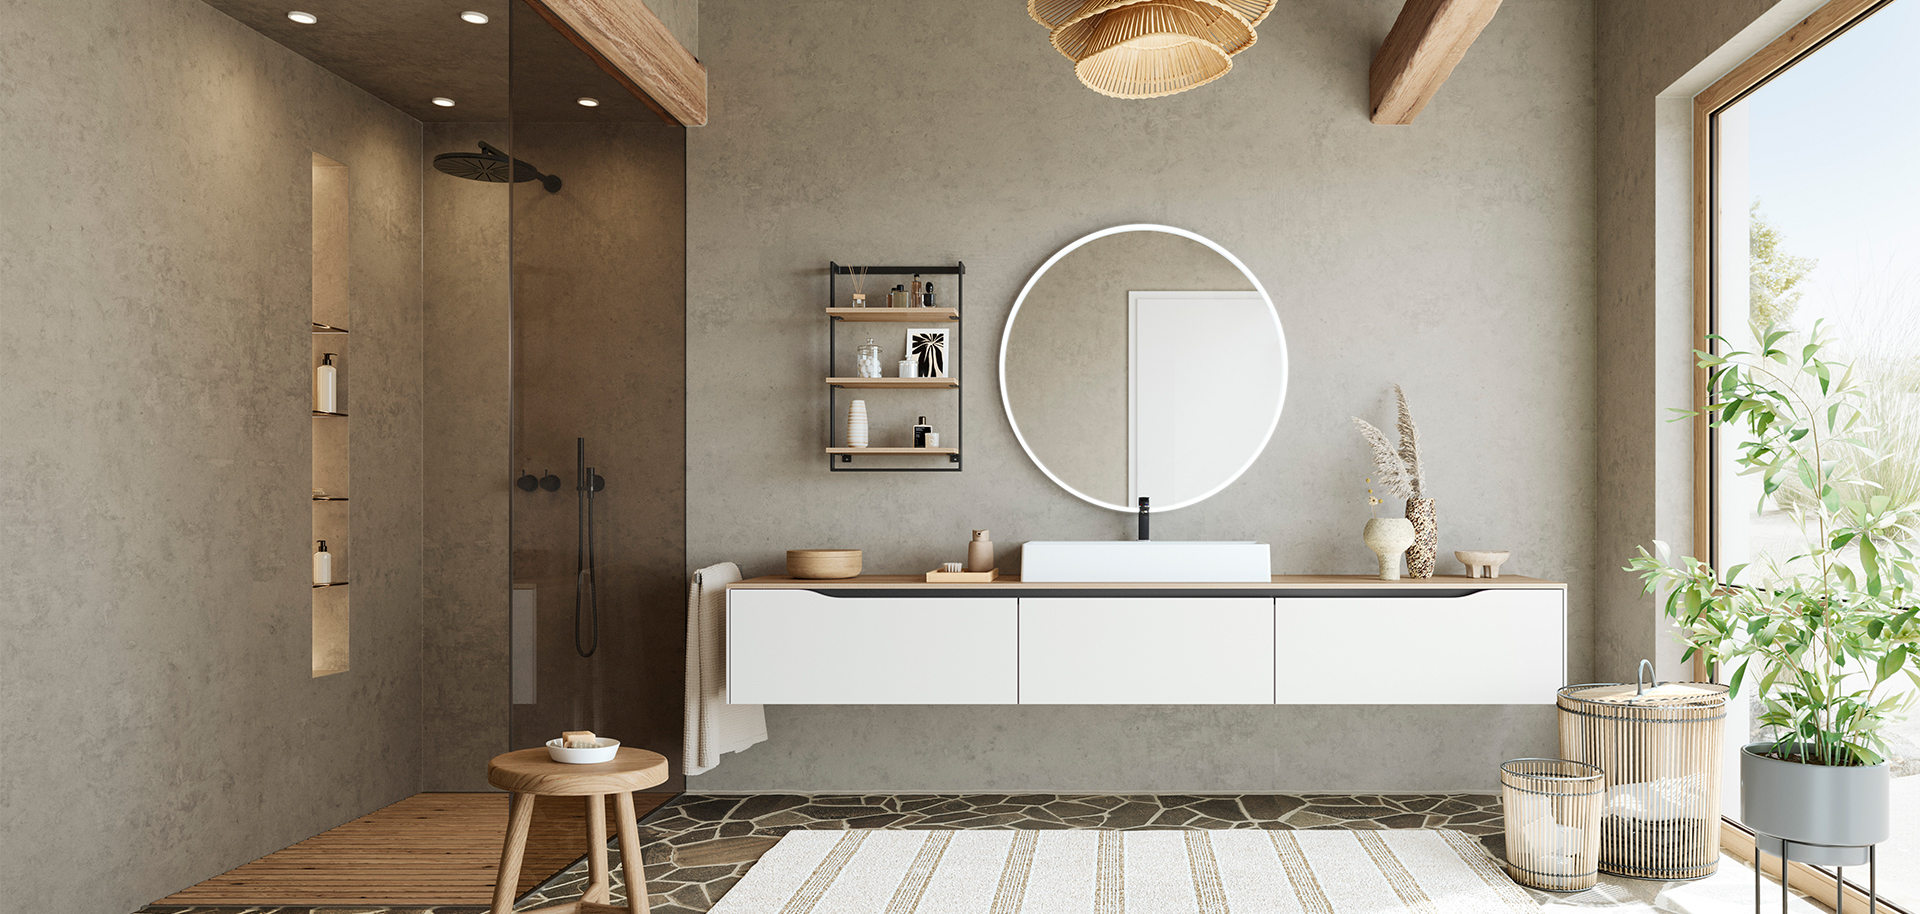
[(857, 424)]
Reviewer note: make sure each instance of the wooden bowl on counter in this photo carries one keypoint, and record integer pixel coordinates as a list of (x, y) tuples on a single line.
[(823, 563)]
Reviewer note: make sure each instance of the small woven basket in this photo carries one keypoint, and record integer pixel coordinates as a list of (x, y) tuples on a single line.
[(1552, 811), (1659, 745)]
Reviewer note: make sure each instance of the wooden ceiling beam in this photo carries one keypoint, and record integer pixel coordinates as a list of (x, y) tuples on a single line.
[(635, 47), (1426, 42)]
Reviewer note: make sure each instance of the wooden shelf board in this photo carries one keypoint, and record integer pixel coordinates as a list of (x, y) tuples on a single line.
[(334, 584), (327, 328), (317, 414), (894, 451), (894, 315), (329, 498), (894, 383)]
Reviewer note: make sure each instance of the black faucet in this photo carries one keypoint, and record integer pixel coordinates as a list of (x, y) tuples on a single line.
[(1143, 518)]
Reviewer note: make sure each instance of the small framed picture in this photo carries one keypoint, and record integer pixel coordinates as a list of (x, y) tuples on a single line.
[(927, 347)]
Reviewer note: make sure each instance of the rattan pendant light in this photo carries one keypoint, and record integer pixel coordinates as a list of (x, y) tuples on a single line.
[(1150, 48)]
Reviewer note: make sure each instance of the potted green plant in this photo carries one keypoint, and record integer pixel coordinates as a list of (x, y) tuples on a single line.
[(1825, 635)]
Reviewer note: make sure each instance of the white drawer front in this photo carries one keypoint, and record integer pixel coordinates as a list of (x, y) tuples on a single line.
[(798, 647), (1146, 650), (1492, 647)]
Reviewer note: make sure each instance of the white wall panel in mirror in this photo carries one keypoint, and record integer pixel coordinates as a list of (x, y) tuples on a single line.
[(1143, 360)]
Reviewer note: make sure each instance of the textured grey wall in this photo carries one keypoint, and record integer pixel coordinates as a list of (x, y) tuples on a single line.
[(1454, 256), (154, 599), (1645, 289), (682, 18), (463, 601)]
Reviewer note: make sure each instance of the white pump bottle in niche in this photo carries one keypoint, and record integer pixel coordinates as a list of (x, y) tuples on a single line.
[(326, 386), (322, 564)]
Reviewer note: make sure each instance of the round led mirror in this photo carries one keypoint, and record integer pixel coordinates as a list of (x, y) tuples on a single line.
[(1143, 361)]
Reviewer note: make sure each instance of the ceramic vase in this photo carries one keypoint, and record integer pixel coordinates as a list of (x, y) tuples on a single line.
[(1389, 537), (857, 424), (1426, 537)]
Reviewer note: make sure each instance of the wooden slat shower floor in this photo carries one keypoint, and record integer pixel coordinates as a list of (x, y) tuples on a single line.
[(431, 848)]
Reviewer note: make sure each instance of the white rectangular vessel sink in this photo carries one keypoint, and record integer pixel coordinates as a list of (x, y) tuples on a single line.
[(1132, 561)]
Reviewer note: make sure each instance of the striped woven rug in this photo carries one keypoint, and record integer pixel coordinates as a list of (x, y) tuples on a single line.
[(1240, 871)]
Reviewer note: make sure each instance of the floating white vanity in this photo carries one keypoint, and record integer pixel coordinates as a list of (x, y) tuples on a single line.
[(1295, 640)]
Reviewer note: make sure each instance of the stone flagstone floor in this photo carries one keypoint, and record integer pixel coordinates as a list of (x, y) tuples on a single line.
[(697, 847)]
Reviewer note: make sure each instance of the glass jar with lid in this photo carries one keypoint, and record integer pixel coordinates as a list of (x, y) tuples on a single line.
[(868, 359)]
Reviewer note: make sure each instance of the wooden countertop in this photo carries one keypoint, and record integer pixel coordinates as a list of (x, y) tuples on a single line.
[(1315, 582)]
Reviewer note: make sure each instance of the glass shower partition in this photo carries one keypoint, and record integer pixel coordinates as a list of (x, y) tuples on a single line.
[(598, 516)]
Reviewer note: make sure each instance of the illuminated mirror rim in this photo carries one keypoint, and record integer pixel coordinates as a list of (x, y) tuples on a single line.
[(1006, 334)]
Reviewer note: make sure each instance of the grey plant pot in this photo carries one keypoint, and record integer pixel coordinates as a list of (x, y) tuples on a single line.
[(1831, 814)]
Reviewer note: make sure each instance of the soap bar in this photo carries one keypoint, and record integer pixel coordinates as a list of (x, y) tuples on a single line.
[(579, 739)]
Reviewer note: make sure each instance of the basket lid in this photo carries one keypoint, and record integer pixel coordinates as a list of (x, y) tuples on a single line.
[(1663, 694)]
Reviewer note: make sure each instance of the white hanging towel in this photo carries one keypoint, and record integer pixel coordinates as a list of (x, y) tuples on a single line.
[(712, 725)]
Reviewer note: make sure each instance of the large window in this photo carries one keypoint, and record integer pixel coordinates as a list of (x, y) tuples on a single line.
[(1816, 218)]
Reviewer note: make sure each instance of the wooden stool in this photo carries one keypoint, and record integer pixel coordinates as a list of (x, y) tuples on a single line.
[(531, 773)]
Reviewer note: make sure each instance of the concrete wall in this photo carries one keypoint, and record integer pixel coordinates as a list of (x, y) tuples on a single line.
[(1455, 256), (682, 18), (1651, 58), (154, 307)]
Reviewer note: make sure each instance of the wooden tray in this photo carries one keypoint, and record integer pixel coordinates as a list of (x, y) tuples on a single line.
[(937, 576)]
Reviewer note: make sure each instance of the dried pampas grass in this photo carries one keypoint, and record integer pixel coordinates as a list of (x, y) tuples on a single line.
[(1401, 473)]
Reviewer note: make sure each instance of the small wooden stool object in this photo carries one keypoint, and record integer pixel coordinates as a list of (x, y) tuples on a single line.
[(530, 773)]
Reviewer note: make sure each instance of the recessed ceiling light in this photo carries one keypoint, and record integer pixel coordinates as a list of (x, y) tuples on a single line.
[(303, 18), (476, 18), (588, 102), (443, 101)]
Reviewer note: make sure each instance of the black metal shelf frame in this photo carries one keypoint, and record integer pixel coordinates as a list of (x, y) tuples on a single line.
[(958, 270)]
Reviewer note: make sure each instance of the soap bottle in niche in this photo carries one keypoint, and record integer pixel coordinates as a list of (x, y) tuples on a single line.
[(920, 432), (980, 552), (322, 565), (326, 387), (897, 298)]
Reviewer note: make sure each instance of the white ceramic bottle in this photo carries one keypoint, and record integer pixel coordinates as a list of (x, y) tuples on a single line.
[(322, 565), (326, 390)]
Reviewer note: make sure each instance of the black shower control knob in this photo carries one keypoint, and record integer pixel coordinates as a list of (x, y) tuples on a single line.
[(550, 482), (527, 483), (599, 483)]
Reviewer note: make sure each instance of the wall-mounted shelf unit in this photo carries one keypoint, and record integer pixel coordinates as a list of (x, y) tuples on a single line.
[(842, 459)]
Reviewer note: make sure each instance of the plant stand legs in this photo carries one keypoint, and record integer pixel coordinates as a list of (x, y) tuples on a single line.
[(1839, 879)]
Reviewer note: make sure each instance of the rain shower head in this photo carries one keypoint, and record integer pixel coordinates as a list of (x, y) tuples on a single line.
[(491, 165)]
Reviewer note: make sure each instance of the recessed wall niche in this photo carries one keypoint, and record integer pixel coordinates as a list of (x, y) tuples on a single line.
[(331, 497)]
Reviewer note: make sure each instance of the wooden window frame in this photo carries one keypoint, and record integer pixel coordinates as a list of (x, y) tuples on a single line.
[(1805, 37)]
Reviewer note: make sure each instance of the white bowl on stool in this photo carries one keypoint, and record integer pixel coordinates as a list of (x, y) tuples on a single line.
[(604, 752)]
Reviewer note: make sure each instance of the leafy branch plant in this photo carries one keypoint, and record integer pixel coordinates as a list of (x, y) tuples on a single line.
[(1401, 473), (1828, 632)]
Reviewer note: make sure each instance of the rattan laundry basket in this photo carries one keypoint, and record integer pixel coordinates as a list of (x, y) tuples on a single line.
[(1551, 808), (1660, 746)]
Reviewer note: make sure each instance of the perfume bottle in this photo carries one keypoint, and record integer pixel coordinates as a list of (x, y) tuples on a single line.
[(868, 359), (898, 297)]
